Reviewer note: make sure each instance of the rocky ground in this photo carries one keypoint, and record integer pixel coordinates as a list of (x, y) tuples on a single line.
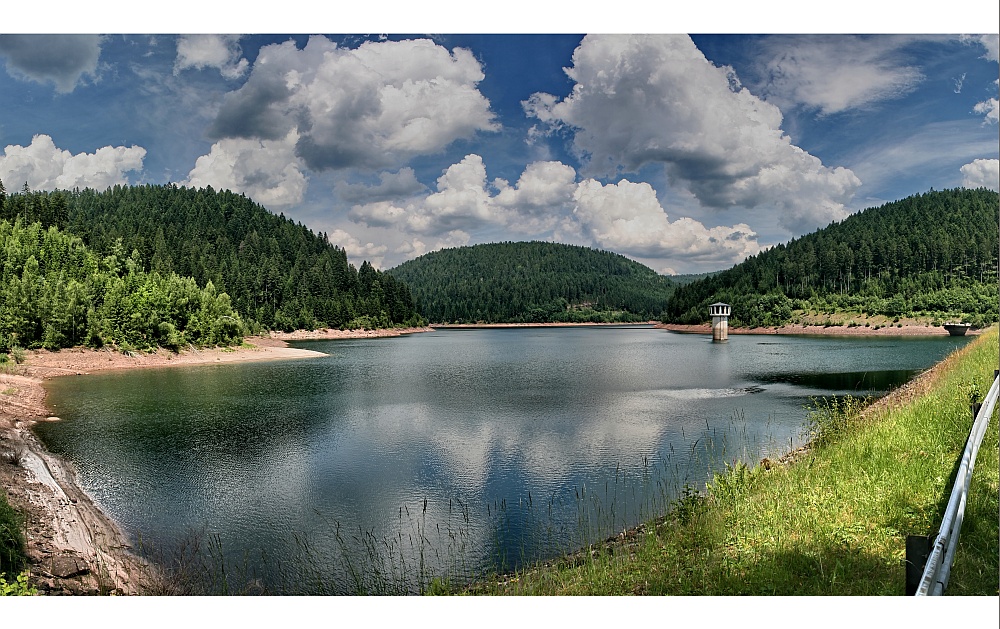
[(72, 547)]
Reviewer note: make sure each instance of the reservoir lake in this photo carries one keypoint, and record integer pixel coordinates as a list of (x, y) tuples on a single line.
[(452, 453)]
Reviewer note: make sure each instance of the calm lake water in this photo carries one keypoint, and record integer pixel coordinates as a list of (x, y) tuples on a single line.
[(454, 452)]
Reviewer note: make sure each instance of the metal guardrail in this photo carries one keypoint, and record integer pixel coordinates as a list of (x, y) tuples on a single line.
[(938, 566)]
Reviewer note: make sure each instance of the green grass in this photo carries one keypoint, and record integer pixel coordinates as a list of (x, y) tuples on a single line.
[(12, 557), (833, 523)]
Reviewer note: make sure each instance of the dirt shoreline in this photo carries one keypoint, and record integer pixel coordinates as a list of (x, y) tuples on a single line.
[(475, 326), (819, 330), (73, 547)]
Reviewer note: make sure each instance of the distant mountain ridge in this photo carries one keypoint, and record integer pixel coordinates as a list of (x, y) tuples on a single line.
[(519, 282)]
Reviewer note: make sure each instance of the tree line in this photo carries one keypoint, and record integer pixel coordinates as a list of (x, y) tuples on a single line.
[(278, 274), (138, 266), (56, 292), (933, 253), (518, 282)]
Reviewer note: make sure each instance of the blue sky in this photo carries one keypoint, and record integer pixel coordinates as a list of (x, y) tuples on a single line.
[(685, 152)]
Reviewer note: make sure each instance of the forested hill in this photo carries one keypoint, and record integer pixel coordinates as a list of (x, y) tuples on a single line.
[(516, 282), (55, 292), (932, 255), (278, 273)]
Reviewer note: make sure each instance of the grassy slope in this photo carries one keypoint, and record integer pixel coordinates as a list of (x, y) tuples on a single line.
[(833, 523)]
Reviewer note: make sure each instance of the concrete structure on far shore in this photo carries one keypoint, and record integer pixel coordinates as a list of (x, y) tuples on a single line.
[(720, 322)]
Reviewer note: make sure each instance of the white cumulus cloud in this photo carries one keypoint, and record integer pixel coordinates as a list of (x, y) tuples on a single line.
[(464, 200), (990, 42), (543, 192), (43, 166), (265, 170), (364, 248), (990, 109), (626, 217), (211, 51), (371, 107), (547, 202), (656, 99), (62, 59), (461, 202), (982, 173), (356, 249)]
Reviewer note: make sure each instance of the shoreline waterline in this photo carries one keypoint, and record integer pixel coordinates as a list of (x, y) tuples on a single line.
[(74, 547), (817, 330), (70, 362), (547, 578)]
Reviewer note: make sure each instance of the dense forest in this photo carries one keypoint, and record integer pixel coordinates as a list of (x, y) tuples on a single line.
[(140, 266), (55, 292), (518, 282), (687, 278), (277, 273), (931, 255)]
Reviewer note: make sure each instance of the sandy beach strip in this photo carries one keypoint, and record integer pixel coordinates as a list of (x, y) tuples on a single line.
[(819, 330), (330, 334)]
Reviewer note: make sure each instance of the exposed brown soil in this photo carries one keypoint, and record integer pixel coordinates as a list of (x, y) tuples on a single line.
[(446, 326), (819, 330), (305, 335)]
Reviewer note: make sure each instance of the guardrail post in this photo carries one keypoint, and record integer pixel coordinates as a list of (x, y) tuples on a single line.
[(918, 548)]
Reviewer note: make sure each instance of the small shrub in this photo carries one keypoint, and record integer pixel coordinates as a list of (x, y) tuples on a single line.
[(20, 586), (17, 353), (829, 417), (11, 539), (734, 482), (685, 506), (971, 391)]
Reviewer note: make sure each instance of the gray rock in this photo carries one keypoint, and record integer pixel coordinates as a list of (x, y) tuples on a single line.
[(65, 566)]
